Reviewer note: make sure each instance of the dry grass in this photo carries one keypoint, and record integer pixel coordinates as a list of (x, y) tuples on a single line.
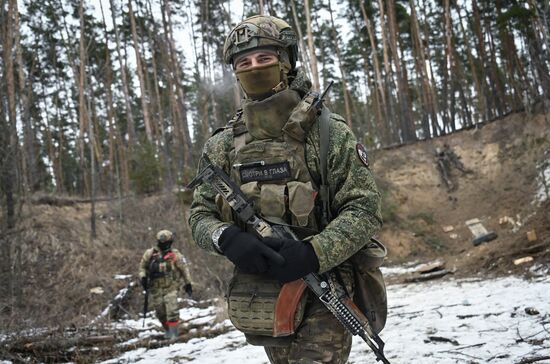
[(60, 263)]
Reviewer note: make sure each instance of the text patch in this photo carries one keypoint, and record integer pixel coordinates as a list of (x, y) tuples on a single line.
[(268, 172)]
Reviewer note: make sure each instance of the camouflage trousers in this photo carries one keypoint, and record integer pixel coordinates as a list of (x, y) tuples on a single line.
[(165, 304), (320, 338)]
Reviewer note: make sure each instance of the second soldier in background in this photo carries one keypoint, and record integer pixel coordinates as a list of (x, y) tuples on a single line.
[(163, 270)]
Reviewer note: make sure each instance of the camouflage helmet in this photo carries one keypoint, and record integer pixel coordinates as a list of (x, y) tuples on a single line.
[(261, 31), (164, 236)]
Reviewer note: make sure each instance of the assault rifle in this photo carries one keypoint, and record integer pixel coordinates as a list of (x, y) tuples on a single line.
[(145, 300), (329, 291), (318, 101)]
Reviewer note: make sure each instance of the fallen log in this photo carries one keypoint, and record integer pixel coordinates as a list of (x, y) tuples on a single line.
[(65, 343), (533, 359), (428, 276), (113, 310), (441, 339)]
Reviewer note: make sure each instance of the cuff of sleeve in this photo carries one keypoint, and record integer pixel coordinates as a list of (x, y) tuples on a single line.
[(321, 256)]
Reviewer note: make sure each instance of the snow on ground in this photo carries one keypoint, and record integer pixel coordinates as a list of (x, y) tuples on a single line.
[(483, 321), (123, 277)]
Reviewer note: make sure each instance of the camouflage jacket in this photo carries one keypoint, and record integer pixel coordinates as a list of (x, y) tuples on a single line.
[(355, 200), (178, 272)]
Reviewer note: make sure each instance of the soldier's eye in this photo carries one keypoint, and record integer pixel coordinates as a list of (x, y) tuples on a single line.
[(243, 63)]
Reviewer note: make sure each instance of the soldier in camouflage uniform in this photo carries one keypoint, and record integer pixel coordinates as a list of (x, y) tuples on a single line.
[(274, 157), (162, 271)]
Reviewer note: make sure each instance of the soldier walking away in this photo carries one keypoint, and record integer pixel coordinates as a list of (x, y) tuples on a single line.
[(273, 150), (162, 271)]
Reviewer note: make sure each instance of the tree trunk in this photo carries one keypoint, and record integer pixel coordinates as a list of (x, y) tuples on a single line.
[(489, 112), (29, 139), (480, 97), (448, 80), (129, 113), (82, 111), (377, 124), (539, 45), (8, 134), (407, 127), (306, 59), (168, 178), (142, 85), (175, 64), (83, 185), (179, 94), (345, 91), (420, 66), (83, 114), (311, 46), (380, 87), (112, 140), (388, 76), (58, 151), (513, 79)]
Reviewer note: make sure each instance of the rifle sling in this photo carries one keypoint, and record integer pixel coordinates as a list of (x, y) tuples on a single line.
[(324, 190)]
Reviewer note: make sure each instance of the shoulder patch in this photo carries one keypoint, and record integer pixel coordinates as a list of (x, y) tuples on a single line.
[(362, 154)]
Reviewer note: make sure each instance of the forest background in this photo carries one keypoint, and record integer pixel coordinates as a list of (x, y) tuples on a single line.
[(108, 99)]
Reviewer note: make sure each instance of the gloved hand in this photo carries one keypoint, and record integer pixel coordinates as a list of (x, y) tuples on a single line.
[(247, 252), (188, 289), (300, 259), (144, 283)]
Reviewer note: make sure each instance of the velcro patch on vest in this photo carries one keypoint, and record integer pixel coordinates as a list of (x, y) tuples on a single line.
[(268, 172)]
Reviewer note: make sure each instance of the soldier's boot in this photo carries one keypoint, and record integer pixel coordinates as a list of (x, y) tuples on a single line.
[(165, 328), (172, 332)]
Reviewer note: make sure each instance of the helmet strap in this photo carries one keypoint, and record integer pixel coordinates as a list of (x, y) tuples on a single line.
[(283, 84)]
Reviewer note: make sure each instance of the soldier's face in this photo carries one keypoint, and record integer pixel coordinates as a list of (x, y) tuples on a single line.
[(255, 59)]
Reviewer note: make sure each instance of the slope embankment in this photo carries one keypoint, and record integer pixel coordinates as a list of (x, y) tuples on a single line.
[(502, 178)]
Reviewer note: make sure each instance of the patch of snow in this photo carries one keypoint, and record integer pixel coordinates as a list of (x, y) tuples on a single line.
[(5, 336), (227, 348), (152, 326), (486, 318)]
